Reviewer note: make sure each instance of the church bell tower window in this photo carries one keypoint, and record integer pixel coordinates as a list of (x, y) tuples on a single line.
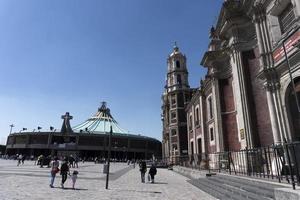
[(177, 64), (178, 79)]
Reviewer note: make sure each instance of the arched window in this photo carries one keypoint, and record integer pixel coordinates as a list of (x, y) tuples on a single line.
[(197, 116), (178, 79), (177, 64), (171, 80), (293, 110)]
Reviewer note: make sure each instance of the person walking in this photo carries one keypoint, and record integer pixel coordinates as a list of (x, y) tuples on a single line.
[(23, 159), (74, 178), (54, 170), (19, 158), (64, 170), (152, 172), (143, 170)]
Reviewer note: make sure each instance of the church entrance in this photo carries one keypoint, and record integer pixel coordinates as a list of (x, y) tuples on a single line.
[(294, 114)]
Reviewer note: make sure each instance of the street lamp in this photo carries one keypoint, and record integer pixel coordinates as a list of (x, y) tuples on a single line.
[(108, 157)]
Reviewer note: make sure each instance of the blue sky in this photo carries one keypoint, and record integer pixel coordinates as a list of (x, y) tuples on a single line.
[(69, 55)]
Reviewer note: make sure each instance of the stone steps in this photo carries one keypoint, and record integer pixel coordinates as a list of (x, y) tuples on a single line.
[(231, 187), (216, 192), (248, 185)]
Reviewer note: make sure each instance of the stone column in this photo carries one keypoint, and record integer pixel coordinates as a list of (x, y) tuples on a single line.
[(273, 118), (241, 100), (217, 115), (263, 36), (202, 124), (193, 128)]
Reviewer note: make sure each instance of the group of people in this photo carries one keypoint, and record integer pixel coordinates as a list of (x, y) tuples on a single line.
[(143, 169), (64, 172)]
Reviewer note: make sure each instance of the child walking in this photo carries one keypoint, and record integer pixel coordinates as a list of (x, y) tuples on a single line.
[(74, 178)]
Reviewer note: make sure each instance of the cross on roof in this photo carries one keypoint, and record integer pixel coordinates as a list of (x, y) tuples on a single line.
[(67, 116), (66, 127)]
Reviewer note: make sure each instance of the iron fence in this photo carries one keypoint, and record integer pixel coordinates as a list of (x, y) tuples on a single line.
[(280, 161)]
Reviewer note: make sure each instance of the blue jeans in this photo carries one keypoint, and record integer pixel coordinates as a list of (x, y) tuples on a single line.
[(52, 178)]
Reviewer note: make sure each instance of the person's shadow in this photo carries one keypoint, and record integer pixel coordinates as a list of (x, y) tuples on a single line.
[(69, 188), (163, 183)]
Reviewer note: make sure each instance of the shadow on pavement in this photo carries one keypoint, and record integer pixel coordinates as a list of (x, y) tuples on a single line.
[(69, 188), (160, 183), (156, 192)]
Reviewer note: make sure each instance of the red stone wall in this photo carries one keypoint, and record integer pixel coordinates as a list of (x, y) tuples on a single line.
[(257, 98), (229, 122)]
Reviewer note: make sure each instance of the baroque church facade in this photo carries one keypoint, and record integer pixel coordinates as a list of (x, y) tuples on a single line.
[(250, 95)]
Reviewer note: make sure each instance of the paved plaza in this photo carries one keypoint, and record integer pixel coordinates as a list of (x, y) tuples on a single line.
[(29, 181)]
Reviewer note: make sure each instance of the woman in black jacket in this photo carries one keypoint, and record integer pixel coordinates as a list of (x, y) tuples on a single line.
[(152, 172), (64, 170)]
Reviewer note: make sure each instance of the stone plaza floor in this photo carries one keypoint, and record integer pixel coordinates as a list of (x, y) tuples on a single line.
[(31, 182)]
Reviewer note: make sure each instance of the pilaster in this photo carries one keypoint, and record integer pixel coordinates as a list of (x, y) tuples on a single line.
[(202, 124), (217, 114), (263, 36), (243, 118)]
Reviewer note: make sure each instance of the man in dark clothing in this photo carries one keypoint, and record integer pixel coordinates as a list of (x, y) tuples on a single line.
[(152, 172), (64, 170), (143, 169)]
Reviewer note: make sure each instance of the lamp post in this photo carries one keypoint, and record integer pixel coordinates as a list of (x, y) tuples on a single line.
[(108, 157)]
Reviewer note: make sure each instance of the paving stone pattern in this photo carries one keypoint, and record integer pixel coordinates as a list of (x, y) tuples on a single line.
[(29, 181)]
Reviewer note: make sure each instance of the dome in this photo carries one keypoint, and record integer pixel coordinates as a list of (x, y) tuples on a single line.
[(175, 51), (100, 123)]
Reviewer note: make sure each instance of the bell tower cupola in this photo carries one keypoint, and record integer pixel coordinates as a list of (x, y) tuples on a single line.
[(177, 76)]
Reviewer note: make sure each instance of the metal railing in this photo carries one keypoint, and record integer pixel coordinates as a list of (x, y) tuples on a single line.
[(280, 161)]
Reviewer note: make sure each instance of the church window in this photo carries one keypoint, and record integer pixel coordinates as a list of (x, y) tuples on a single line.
[(174, 147), (286, 18), (178, 79), (173, 100), (211, 132), (171, 80), (190, 122), (192, 147), (197, 116), (173, 132), (177, 64), (173, 117), (210, 108)]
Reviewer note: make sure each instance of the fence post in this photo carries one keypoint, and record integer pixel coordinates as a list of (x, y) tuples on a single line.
[(276, 162), (229, 162), (289, 163), (267, 163), (207, 160), (271, 168), (296, 165), (247, 161), (219, 163)]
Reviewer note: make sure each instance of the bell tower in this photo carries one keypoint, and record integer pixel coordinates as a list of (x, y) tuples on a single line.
[(176, 95), (177, 76)]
